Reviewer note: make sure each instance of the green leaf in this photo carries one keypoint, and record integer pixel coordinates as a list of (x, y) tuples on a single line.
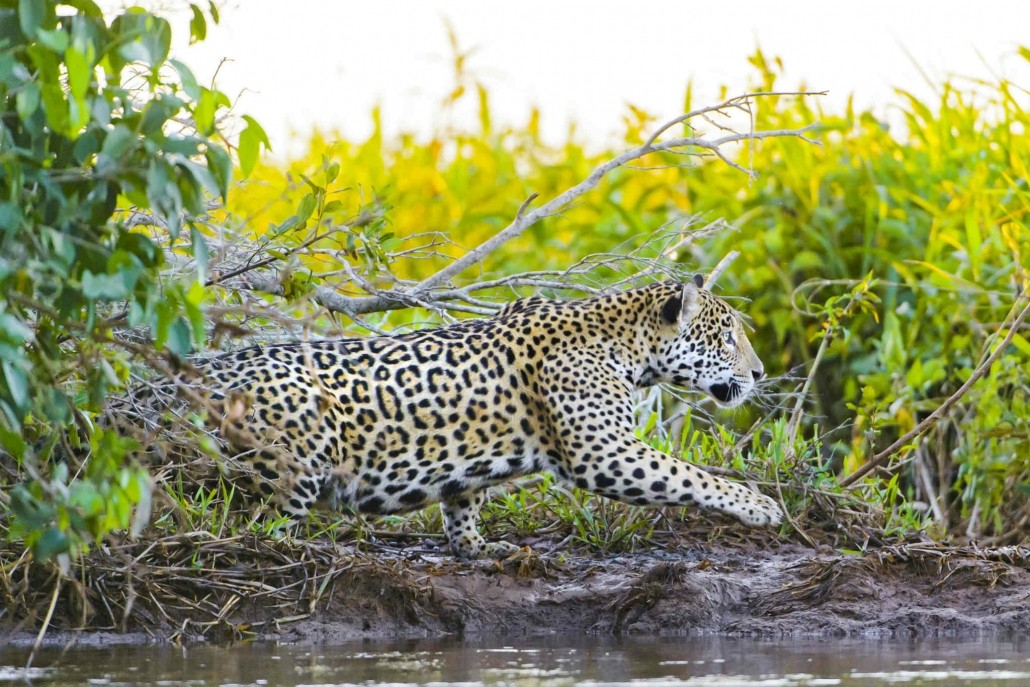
[(186, 79), (315, 188), (116, 144), (164, 313), (53, 542), (10, 216), (86, 500), (46, 62), (251, 139), (156, 114), (205, 108), (142, 247), (194, 304), (57, 408), (204, 112), (163, 193), (27, 101), (200, 252), (90, 36), (31, 14), (142, 37), (101, 112), (1021, 344), (179, 340), (56, 40), (198, 25), (86, 7), (331, 172), (13, 329), (56, 107), (193, 184), (305, 208), (17, 384), (87, 145), (13, 442), (79, 72), (220, 165), (104, 286), (186, 146)]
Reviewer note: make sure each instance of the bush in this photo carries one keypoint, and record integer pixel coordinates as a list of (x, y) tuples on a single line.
[(95, 117)]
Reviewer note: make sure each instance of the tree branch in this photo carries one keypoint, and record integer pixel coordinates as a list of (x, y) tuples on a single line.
[(524, 221), (717, 271), (436, 289)]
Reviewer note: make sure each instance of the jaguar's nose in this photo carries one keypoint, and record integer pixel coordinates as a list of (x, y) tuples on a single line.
[(758, 374)]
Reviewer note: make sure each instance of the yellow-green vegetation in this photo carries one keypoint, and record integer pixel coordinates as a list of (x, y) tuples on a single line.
[(879, 270)]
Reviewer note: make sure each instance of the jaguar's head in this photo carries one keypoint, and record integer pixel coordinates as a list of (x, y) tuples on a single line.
[(705, 346)]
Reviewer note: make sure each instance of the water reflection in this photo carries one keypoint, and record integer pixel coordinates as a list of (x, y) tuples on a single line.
[(555, 662)]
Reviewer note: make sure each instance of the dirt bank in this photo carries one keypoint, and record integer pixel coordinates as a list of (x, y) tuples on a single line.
[(333, 593), (787, 591)]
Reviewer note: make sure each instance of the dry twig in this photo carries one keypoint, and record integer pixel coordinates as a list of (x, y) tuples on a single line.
[(435, 288)]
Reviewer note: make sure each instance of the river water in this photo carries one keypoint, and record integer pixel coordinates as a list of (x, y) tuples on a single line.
[(554, 662)]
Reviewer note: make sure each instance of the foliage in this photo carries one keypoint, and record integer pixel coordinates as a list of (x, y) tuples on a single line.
[(938, 216), (95, 118)]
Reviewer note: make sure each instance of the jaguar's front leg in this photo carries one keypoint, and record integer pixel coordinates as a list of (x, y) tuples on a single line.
[(600, 453)]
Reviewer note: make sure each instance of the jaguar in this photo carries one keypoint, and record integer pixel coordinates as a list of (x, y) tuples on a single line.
[(389, 424)]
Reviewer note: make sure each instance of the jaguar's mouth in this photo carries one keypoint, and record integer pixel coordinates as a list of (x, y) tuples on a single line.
[(730, 394)]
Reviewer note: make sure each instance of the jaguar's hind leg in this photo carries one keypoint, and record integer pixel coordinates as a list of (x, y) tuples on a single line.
[(269, 468), (460, 515)]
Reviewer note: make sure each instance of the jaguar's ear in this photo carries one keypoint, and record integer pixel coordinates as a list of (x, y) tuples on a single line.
[(671, 309), (691, 302), (699, 281), (684, 306)]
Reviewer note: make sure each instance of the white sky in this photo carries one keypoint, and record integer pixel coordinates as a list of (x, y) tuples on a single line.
[(305, 63)]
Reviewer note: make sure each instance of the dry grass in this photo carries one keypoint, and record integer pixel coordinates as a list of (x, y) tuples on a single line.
[(196, 584)]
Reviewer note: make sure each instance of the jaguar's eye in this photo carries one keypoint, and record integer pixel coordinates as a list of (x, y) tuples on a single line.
[(728, 337)]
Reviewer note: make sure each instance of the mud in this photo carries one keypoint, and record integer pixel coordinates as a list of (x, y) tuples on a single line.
[(785, 592), (781, 590)]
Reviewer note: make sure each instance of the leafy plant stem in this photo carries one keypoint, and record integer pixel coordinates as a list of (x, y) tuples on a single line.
[(882, 457)]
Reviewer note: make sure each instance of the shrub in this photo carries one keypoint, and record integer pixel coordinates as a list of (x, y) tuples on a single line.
[(95, 117)]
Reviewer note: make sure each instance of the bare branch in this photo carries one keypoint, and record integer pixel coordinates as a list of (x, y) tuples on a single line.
[(381, 292), (734, 102), (713, 276), (553, 206)]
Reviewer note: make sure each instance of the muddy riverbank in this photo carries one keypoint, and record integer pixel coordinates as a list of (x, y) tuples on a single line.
[(787, 591), (216, 590)]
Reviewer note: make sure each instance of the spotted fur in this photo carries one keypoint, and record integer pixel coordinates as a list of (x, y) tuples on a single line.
[(392, 424)]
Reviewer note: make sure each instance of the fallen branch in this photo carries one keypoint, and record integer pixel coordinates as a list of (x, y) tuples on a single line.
[(717, 271), (524, 221), (435, 289), (463, 298), (882, 457)]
